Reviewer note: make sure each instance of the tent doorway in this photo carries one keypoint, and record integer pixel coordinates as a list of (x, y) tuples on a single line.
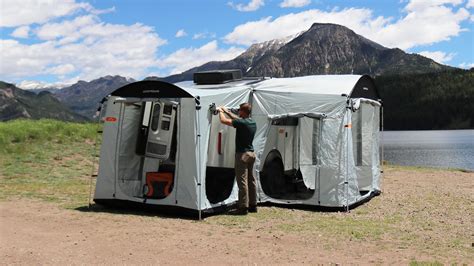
[(147, 146), (220, 174), (291, 165)]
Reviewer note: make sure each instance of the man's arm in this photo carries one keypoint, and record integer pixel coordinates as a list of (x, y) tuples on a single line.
[(224, 119), (230, 114)]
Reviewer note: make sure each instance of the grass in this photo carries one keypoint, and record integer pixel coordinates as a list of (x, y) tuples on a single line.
[(47, 160)]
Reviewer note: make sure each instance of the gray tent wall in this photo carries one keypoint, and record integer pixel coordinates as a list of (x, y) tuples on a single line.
[(119, 166), (321, 103), (336, 177), (225, 96)]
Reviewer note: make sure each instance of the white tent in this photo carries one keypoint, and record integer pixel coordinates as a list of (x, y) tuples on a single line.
[(317, 142)]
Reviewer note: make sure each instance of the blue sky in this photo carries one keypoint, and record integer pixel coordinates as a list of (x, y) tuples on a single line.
[(63, 41)]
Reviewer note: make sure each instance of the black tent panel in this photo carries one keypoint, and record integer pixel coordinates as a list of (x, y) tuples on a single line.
[(365, 88), (151, 89)]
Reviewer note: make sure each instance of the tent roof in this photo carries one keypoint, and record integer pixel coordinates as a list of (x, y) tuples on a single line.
[(355, 86), (351, 85), (215, 89)]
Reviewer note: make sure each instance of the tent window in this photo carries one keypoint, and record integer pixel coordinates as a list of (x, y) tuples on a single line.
[(156, 117), (357, 136), (315, 142)]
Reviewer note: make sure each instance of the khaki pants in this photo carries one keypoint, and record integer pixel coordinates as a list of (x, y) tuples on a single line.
[(246, 179)]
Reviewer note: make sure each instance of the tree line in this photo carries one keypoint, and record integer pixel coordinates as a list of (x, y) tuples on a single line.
[(441, 100)]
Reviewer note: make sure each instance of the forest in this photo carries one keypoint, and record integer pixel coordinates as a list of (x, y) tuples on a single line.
[(441, 100)]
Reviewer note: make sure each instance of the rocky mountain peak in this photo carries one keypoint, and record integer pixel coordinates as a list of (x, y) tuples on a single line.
[(335, 49), (84, 97), (323, 49)]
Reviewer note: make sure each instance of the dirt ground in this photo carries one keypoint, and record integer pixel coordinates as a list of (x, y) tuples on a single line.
[(434, 208)]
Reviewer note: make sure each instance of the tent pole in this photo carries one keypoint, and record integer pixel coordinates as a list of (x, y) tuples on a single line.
[(347, 159), (381, 123), (320, 133), (199, 162)]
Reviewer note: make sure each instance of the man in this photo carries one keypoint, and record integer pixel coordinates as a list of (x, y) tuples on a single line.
[(244, 156)]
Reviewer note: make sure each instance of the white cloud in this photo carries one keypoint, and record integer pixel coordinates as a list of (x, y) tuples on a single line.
[(470, 4), (21, 32), (180, 33), (204, 35), (252, 6), (420, 5), (84, 47), (423, 27), (25, 12), (295, 3), (424, 23), (61, 69), (187, 58), (69, 29), (438, 56), (466, 65), (268, 28)]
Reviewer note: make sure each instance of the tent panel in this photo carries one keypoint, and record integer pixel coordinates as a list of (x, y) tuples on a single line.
[(276, 103), (105, 187), (128, 161), (230, 99), (318, 85)]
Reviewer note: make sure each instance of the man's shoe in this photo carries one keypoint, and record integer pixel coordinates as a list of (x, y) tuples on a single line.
[(252, 208), (239, 211)]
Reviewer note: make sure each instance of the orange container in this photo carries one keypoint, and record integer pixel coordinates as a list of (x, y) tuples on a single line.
[(159, 184)]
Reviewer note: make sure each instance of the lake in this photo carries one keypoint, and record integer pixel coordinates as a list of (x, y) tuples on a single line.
[(433, 148)]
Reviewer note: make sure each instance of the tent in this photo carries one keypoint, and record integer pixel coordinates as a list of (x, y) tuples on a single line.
[(317, 141)]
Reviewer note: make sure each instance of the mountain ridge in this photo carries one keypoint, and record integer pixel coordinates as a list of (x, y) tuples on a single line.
[(17, 103), (323, 49), (84, 97)]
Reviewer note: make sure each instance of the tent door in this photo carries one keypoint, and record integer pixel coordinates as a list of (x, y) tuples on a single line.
[(281, 176), (157, 146), (220, 174)]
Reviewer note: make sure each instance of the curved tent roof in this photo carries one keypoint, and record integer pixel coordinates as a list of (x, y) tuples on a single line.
[(356, 86)]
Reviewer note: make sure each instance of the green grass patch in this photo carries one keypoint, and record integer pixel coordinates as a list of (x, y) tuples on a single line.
[(425, 263), (17, 132), (48, 160)]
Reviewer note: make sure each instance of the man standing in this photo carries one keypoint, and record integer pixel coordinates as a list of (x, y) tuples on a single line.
[(244, 156)]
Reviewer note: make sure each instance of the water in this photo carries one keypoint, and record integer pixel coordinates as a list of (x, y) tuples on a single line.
[(433, 148)]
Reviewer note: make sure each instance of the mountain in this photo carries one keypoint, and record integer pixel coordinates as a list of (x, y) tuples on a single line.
[(245, 62), (334, 49), (84, 97), (18, 103), (38, 86), (323, 49)]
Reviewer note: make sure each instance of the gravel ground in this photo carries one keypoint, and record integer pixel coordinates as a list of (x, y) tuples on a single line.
[(422, 215)]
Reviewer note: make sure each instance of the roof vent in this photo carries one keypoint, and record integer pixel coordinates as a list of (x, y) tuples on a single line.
[(217, 76)]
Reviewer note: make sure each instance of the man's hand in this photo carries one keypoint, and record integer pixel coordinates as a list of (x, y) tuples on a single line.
[(224, 120), (228, 113), (222, 109)]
